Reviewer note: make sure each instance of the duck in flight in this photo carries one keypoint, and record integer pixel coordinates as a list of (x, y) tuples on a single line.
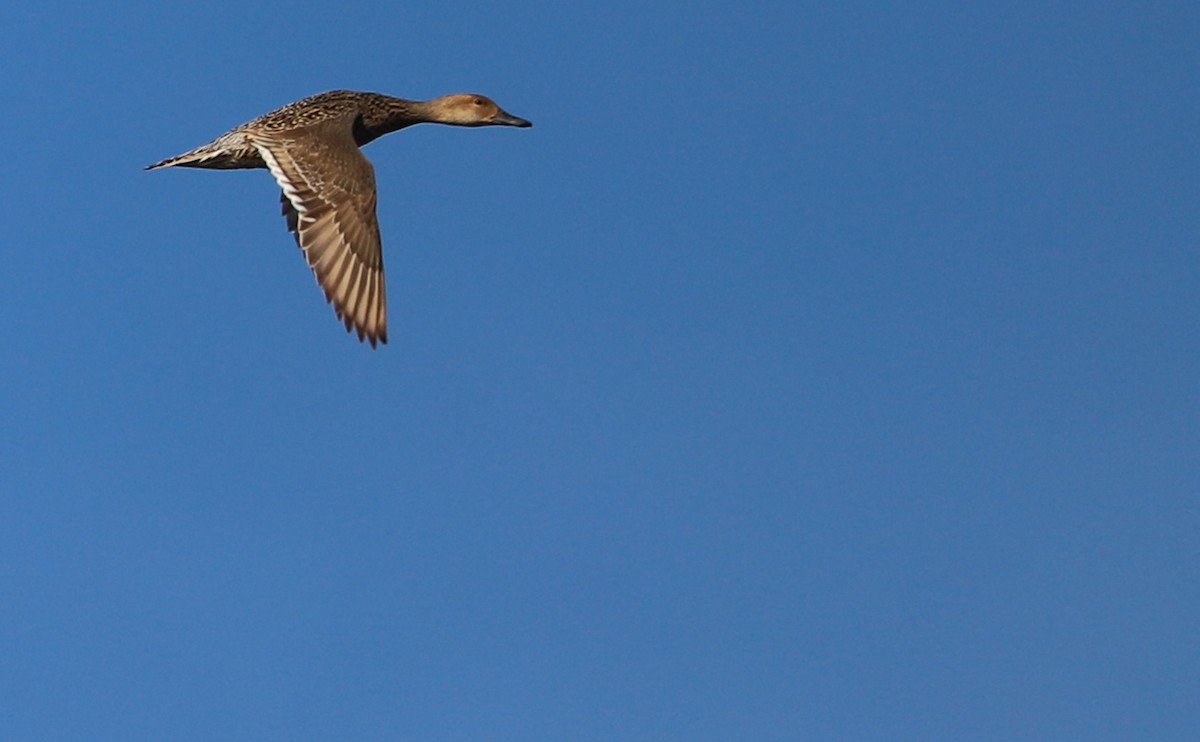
[(311, 148)]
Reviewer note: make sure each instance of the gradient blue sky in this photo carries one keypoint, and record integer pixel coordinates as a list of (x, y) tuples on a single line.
[(809, 371)]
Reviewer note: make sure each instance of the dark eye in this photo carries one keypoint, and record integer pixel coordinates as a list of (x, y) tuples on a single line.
[(479, 101)]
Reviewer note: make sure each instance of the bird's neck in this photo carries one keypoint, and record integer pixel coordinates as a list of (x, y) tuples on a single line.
[(383, 114)]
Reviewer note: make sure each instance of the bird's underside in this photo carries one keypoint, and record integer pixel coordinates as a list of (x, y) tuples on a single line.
[(328, 199)]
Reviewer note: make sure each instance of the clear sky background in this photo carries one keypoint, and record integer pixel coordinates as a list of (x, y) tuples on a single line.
[(808, 371)]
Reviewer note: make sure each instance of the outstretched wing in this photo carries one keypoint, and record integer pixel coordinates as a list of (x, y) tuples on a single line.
[(329, 202)]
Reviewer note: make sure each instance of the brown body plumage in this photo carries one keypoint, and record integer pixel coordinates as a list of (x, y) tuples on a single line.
[(311, 148)]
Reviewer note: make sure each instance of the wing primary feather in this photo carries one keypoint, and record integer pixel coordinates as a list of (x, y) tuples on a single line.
[(327, 196)]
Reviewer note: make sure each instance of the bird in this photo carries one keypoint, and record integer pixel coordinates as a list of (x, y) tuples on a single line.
[(311, 148)]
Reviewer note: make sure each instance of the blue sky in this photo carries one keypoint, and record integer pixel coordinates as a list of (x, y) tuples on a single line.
[(807, 371)]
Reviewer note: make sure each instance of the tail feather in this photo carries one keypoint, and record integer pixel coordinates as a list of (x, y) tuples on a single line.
[(214, 157), (183, 159)]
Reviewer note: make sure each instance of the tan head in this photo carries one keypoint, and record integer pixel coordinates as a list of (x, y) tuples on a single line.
[(469, 109)]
